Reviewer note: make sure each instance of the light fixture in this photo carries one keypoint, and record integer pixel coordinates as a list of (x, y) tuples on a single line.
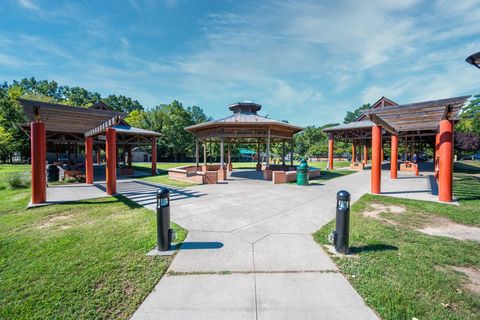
[(474, 59)]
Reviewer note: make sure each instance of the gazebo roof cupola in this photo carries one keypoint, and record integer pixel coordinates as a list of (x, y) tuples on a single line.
[(246, 107)]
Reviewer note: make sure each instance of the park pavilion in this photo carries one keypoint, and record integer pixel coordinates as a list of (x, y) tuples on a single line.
[(247, 127), (97, 127), (417, 124)]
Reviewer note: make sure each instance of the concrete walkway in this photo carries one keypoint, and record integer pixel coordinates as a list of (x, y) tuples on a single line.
[(249, 253)]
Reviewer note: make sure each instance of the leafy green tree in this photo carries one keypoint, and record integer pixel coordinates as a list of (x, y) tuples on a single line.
[(353, 115), (136, 118), (470, 117), (12, 138), (122, 103)]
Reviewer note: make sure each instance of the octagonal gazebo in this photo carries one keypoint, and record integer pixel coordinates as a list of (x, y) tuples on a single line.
[(243, 126)]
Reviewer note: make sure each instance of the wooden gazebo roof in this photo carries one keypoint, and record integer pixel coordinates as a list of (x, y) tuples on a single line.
[(64, 118), (244, 123), (70, 124), (415, 117)]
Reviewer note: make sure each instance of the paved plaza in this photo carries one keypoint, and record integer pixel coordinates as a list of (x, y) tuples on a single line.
[(249, 253)]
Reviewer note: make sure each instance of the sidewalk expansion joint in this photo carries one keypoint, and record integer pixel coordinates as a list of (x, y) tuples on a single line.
[(199, 273)]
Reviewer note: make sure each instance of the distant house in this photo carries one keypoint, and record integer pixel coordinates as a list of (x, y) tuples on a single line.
[(140, 155)]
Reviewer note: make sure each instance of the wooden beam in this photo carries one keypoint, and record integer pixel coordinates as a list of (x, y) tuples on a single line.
[(376, 119), (109, 123)]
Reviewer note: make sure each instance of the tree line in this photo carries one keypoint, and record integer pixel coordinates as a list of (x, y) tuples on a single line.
[(170, 120)]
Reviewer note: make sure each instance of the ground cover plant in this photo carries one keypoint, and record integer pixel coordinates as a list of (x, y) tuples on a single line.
[(403, 273), (83, 260)]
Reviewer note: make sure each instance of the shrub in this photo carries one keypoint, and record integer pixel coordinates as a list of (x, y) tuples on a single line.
[(17, 180)]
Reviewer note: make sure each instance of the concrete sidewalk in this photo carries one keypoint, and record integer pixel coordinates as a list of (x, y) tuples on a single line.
[(250, 254)]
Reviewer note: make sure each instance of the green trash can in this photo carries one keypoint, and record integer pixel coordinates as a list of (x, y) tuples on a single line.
[(53, 173), (302, 173)]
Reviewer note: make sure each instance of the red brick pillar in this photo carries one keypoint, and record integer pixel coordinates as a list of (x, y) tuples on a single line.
[(89, 160), (445, 192), (38, 159), (376, 159), (111, 153)]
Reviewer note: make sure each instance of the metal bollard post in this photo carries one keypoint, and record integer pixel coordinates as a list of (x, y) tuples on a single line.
[(164, 233), (342, 222)]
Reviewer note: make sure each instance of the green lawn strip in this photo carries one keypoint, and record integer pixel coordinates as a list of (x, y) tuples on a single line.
[(327, 175), (78, 261), (165, 180), (403, 273)]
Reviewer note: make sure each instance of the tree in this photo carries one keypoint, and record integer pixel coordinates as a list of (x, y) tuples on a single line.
[(353, 115), (122, 103), (470, 117), (466, 142), (12, 138), (136, 118)]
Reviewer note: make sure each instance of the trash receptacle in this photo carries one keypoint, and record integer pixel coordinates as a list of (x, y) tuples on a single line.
[(164, 233), (302, 173), (53, 173)]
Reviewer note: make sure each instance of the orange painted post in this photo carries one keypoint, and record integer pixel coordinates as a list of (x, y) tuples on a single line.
[(436, 157), (111, 154), (89, 160), (376, 159), (98, 156), (445, 192), (382, 157), (365, 154), (330, 152), (394, 157), (154, 156), (353, 153), (38, 159)]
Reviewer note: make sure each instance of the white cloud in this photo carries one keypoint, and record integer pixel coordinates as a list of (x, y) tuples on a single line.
[(28, 4)]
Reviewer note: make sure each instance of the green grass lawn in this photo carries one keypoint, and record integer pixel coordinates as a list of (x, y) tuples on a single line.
[(76, 261), (327, 175), (405, 274)]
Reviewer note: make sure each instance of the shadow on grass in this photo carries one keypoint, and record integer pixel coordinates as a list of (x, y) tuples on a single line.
[(467, 188), (129, 203), (462, 167), (372, 248)]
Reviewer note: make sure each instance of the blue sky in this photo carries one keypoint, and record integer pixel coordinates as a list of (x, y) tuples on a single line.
[(304, 61)]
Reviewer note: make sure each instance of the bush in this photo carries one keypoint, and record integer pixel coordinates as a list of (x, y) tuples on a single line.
[(18, 180)]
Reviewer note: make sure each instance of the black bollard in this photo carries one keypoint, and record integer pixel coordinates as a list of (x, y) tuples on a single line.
[(164, 233), (342, 223)]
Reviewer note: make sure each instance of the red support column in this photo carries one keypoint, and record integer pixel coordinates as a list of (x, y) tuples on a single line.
[(154, 156), (445, 192), (365, 154), (330, 152), (89, 160), (99, 161), (376, 159), (38, 159), (353, 153), (111, 154), (394, 157)]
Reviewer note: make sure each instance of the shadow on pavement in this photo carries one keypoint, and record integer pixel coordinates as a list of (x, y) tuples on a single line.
[(199, 245)]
